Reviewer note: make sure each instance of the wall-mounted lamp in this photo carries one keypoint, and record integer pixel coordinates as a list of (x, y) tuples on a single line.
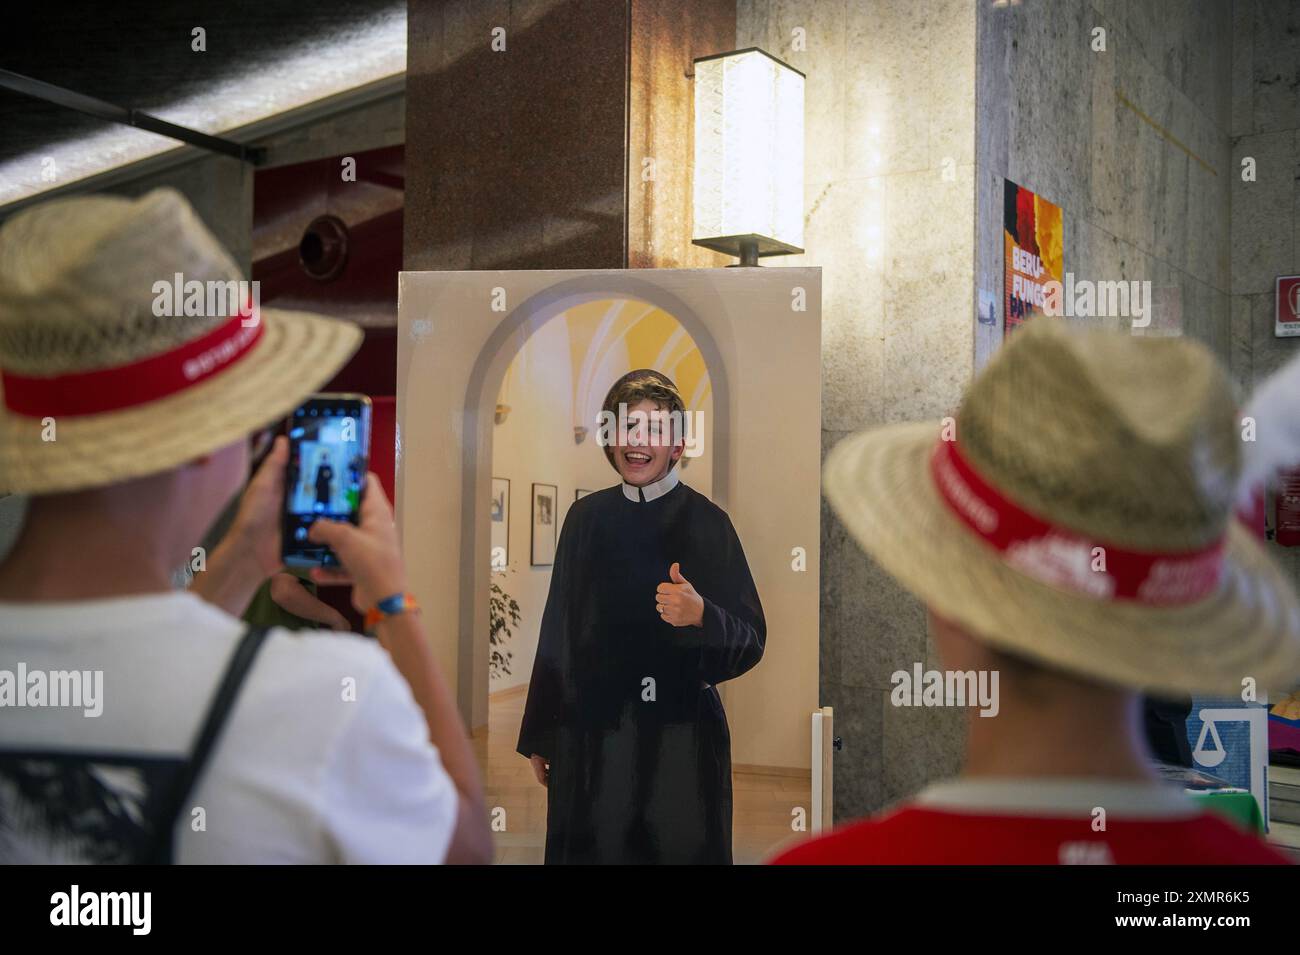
[(748, 155)]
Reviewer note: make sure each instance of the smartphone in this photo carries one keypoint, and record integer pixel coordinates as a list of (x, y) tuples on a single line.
[(329, 454)]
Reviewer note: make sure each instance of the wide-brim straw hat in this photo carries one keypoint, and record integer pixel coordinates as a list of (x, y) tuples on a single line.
[(95, 386), (1071, 440)]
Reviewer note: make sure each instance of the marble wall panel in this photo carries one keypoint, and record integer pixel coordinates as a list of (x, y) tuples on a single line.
[(890, 204)]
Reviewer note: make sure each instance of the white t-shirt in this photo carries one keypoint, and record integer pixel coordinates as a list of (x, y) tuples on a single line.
[(325, 756)]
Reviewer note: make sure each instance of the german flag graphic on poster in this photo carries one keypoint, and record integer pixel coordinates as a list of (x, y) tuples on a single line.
[(1033, 255)]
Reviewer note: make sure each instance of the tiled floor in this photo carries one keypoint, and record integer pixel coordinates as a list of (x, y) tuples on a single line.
[(761, 819)]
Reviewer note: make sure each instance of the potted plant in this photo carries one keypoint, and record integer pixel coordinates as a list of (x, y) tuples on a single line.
[(504, 616)]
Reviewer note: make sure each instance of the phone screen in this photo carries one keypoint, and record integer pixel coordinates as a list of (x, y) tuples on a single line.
[(329, 451)]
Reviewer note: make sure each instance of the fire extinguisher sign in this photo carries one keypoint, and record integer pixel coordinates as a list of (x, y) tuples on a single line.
[(1288, 508), (1288, 306)]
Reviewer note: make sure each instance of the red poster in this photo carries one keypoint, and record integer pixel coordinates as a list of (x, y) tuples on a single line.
[(1032, 250)]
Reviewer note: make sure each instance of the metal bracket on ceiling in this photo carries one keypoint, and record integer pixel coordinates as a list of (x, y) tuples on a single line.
[(26, 85)]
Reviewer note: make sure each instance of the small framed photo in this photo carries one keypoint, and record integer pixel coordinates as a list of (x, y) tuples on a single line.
[(500, 523), (545, 522), (580, 493)]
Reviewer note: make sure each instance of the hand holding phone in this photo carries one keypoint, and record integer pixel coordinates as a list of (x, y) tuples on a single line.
[(329, 453), (370, 554), (257, 525), (250, 551)]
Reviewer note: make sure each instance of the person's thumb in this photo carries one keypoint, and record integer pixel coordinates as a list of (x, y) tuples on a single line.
[(375, 506), (675, 573)]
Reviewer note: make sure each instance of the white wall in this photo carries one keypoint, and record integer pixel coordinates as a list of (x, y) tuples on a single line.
[(535, 444)]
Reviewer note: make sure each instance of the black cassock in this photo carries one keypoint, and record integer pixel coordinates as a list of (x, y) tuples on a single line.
[(622, 704)]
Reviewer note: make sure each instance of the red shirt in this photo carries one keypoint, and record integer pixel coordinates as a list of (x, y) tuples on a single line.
[(947, 834)]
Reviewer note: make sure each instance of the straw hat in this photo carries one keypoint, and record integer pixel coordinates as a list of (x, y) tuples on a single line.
[(1082, 517), (123, 391)]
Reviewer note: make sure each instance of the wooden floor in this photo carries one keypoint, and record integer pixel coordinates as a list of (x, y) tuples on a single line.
[(761, 818)]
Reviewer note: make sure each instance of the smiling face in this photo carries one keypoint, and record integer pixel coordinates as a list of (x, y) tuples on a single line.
[(651, 449)]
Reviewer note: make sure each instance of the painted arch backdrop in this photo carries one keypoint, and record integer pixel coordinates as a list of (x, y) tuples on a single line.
[(757, 334)]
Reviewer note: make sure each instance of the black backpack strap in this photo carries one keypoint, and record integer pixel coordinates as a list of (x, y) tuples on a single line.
[(223, 701)]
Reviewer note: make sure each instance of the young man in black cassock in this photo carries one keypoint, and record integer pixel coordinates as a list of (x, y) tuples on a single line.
[(651, 605)]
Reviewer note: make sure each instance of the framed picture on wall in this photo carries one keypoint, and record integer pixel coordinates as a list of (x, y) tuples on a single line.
[(545, 521), (580, 493), (500, 523)]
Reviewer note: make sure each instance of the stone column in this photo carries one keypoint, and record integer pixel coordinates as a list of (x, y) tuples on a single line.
[(889, 206)]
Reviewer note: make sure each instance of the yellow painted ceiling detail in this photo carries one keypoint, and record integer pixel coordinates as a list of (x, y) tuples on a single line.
[(645, 331)]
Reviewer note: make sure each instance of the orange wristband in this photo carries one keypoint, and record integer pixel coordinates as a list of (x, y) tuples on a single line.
[(389, 607)]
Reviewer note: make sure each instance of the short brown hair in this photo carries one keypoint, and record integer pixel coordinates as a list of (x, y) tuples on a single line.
[(642, 385)]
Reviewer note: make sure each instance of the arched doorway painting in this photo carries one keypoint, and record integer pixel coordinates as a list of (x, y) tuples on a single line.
[(758, 333)]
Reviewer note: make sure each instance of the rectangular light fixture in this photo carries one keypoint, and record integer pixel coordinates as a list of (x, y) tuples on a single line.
[(749, 150)]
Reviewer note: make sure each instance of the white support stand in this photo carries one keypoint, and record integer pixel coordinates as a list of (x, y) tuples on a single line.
[(823, 769)]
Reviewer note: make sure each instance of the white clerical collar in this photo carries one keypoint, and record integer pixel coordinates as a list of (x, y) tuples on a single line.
[(649, 492), (1057, 796)]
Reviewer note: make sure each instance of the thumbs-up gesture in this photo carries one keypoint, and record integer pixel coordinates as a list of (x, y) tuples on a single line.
[(677, 601)]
